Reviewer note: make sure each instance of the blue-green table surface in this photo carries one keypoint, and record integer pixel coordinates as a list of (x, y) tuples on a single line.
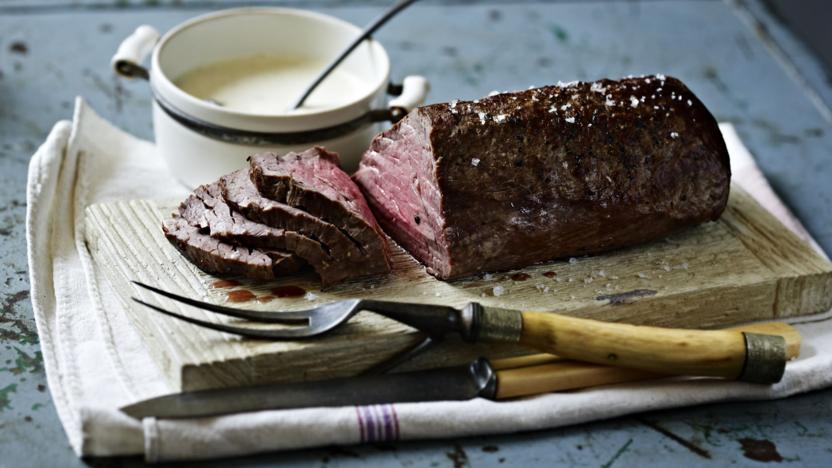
[(747, 68)]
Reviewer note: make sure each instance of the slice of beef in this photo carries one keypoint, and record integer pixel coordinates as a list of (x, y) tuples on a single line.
[(220, 258), (524, 177), (314, 182), (206, 208), (242, 196)]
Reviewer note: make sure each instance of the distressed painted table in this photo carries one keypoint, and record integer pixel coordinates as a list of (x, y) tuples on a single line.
[(746, 68)]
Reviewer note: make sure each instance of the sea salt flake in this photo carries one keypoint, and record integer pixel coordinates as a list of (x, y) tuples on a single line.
[(660, 77), (633, 101), (666, 267), (482, 116), (493, 93), (609, 102), (475, 162), (454, 103), (310, 296), (570, 119), (565, 106), (674, 135), (498, 290), (690, 103), (553, 110), (573, 260), (488, 277), (597, 88), (500, 118), (642, 276)]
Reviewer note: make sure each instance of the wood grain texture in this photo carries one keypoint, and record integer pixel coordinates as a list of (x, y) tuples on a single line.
[(745, 267)]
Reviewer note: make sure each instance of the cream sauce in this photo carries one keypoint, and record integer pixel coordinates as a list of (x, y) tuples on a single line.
[(264, 84)]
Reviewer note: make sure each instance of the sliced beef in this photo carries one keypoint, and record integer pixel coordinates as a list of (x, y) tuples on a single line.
[(206, 208), (220, 258), (314, 182), (524, 177), (242, 196)]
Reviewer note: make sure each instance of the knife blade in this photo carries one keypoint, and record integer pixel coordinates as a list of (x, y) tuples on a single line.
[(452, 383)]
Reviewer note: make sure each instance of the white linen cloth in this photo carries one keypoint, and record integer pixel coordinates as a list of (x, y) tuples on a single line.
[(95, 361)]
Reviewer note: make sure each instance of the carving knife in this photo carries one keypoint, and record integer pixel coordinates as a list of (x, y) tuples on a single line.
[(505, 378)]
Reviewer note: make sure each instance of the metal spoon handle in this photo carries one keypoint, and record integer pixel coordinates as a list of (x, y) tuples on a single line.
[(369, 30)]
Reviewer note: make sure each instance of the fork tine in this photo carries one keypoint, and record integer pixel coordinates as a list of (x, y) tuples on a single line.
[(300, 316), (295, 332)]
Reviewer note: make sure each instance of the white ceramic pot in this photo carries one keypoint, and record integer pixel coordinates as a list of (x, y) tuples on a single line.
[(201, 141)]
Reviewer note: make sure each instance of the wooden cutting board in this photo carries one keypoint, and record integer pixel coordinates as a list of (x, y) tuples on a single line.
[(745, 267)]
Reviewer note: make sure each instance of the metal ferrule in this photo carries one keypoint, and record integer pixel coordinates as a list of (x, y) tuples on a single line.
[(493, 324), (765, 358)]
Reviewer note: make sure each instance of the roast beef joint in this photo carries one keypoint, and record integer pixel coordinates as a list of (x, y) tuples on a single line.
[(525, 177)]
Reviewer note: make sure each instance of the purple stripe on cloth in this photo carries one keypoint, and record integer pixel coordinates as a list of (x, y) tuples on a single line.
[(377, 423), (370, 419), (389, 429)]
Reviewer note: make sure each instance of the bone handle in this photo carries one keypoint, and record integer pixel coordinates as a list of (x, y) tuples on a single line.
[(731, 354), (543, 373), (789, 333)]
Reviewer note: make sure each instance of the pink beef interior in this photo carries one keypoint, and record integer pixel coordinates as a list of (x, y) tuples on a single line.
[(398, 177)]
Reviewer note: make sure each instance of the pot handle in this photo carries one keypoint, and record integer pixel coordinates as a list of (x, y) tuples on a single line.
[(132, 52), (414, 90)]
